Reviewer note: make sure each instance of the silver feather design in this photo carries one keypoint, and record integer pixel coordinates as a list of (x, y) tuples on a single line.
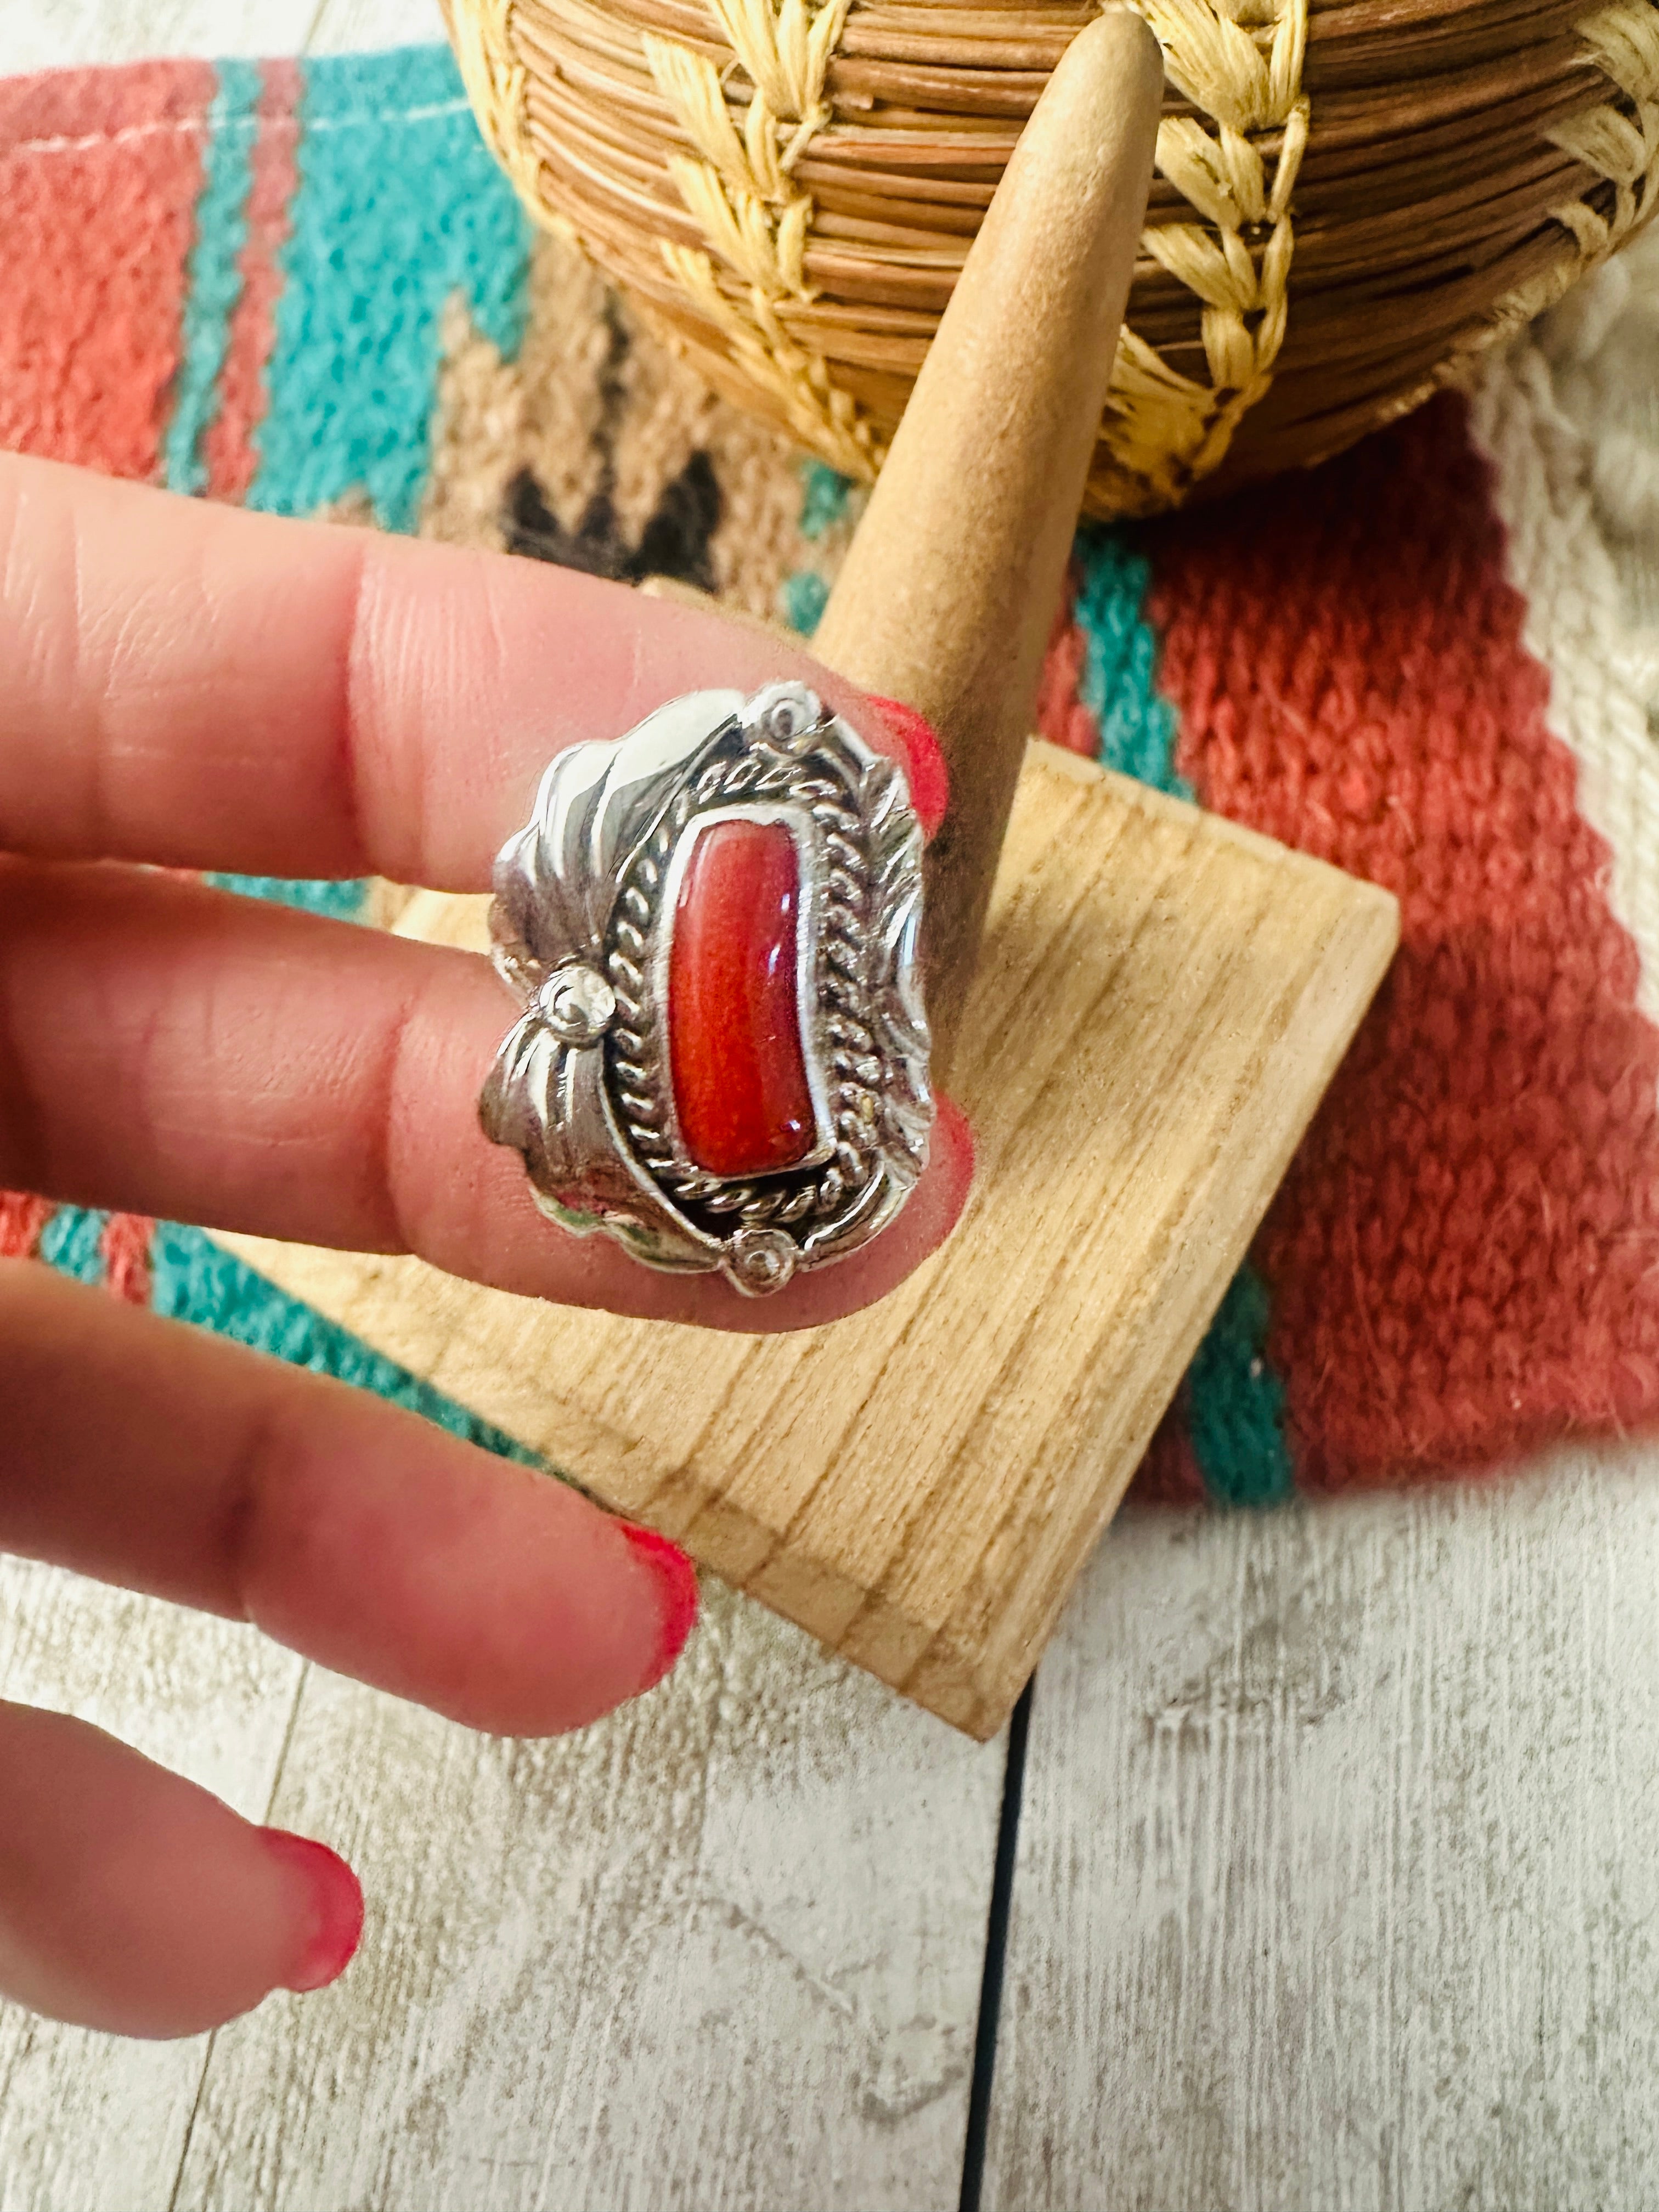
[(554, 881)]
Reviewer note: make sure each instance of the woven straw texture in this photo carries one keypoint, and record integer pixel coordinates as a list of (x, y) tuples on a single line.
[(1435, 661), (1352, 197)]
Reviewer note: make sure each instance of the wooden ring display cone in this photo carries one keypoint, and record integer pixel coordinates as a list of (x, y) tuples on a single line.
[(1157, 1004)]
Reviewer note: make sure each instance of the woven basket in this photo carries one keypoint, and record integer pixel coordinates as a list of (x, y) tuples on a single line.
[(1351, 195)]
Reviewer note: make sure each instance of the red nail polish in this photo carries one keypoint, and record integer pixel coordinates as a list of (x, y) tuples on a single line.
[(677, 1579), (336, 1907), (924, 763), (958, 1132)]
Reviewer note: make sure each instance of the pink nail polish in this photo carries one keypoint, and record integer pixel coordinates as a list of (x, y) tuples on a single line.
[(677, 1579), (336, 1907), (924, 763)]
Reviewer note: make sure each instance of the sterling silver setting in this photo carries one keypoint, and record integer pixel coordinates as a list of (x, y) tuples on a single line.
[(582, 930)]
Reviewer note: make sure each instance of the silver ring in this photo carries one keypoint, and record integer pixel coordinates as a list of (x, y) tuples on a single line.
[(712, 924)]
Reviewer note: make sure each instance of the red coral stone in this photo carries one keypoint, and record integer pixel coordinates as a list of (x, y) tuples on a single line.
[(735, 1055)]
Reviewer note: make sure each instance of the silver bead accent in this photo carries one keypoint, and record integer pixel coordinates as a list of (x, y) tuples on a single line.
[(761, 1260), (786, 715), (577, 1005)]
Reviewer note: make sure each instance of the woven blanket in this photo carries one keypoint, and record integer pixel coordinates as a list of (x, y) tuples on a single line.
[(1434, 662)]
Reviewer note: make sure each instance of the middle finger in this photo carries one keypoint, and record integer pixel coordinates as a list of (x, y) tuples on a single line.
[(175, 1050)]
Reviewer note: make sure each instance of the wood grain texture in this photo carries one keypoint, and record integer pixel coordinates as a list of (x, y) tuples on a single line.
[(1162, 1000), (722, 1950), (1337, 1872), (88, 2122)]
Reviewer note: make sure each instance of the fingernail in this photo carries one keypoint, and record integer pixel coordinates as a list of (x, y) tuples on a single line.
[(925, 769), (676, 1581), (335, 1899)]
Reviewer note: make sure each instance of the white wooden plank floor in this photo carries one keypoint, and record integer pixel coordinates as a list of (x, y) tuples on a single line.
[(1336, 1875), (87, 2122), (1338, 1869), (723, 1950)]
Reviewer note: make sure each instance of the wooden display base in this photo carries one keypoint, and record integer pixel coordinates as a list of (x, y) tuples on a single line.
[(1161, 1000)]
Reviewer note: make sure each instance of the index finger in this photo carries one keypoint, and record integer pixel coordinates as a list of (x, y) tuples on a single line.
[(200, 687)]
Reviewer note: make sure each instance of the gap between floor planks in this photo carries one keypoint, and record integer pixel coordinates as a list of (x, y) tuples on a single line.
[(1338, 1866)]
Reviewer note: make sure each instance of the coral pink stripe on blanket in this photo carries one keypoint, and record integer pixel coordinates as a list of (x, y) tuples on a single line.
[(100, 171), (230, 446)]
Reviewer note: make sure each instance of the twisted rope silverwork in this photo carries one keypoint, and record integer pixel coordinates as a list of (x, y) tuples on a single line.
[(582, 928)]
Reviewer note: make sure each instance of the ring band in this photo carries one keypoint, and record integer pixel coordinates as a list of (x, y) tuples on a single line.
[(711, 924)]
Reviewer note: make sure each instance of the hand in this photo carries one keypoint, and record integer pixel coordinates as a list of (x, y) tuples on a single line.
[(194, 687)]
